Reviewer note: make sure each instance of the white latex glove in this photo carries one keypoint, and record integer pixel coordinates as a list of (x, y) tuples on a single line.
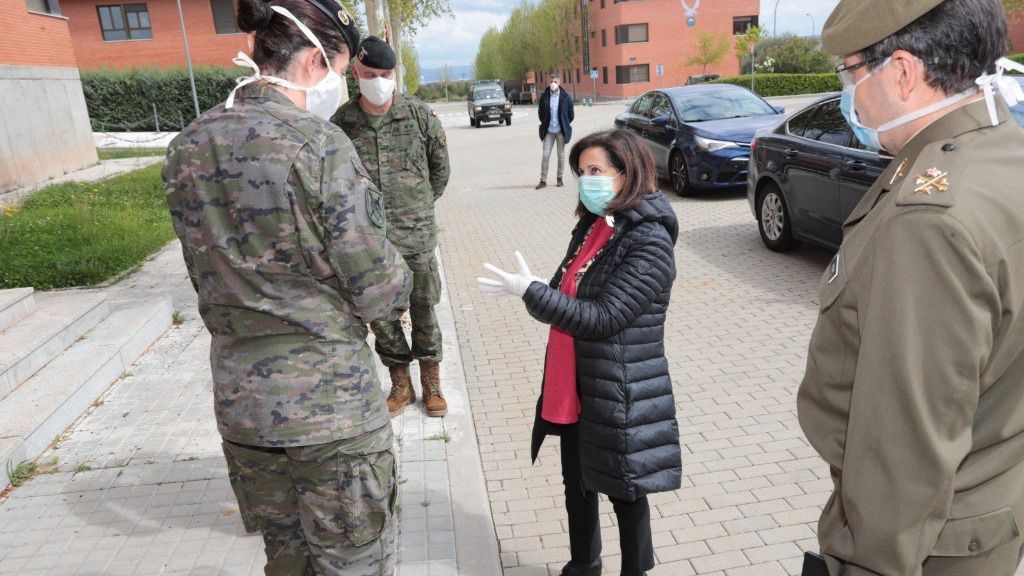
[(508, 283)]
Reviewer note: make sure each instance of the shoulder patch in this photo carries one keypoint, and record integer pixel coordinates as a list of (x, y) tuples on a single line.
[(374, 205)]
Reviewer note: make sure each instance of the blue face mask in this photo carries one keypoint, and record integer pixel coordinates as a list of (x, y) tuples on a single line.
[(596, 192), (867, 136), (870, 136)]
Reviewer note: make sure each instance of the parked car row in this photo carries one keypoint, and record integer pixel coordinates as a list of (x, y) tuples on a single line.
[(804, 173)]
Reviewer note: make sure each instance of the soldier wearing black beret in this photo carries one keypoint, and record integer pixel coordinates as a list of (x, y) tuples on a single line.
[(403, 146)]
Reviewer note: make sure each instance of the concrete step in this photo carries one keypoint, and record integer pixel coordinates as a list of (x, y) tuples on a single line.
[(46, 404), (15, 304), (59, 320)]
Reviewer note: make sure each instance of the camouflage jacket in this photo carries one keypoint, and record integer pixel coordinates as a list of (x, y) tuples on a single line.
[(283, 235), (406, 154)]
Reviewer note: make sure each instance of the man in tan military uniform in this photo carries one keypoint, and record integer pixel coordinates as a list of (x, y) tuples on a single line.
[(403, 146), (914, 390)]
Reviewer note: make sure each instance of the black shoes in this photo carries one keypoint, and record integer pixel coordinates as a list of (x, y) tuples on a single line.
[(594, 569), (559, 183), (541, 184)]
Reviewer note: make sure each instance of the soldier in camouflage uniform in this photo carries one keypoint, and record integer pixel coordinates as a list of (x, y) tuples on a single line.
[(403, 145), (282, 232)]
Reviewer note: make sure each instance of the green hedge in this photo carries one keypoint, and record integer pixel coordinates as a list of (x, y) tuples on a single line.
[(1018, 58), (123, 100), (787, 84)]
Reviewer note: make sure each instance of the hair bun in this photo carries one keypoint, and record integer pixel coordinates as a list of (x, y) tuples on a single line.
[(254, 15)]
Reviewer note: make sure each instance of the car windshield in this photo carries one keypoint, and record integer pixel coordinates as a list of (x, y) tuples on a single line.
[(701, 107), (488, 93)]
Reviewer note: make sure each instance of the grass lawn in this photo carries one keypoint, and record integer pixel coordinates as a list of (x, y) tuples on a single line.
[(114, 153), (80, 234)]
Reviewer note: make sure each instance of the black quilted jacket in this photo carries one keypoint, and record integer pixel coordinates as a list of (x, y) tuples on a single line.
[(628, 430)]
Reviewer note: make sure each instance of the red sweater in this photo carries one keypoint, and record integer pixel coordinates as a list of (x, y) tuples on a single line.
[(561, 402)]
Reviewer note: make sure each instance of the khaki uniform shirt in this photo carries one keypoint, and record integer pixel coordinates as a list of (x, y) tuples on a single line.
[(283, 235), (914, 390), (406, 154)]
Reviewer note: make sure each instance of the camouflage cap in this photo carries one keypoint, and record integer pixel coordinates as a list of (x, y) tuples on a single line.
[(857, 24), (342, 20)]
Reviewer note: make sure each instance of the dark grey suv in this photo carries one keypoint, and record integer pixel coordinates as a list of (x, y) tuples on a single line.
[(487, 103)]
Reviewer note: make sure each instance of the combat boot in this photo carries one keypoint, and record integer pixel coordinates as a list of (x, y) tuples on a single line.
[(402, 393), (430, 380)]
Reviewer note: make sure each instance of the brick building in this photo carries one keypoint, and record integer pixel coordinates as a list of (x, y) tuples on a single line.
[(44, 124), (147, 33), (639, 45)]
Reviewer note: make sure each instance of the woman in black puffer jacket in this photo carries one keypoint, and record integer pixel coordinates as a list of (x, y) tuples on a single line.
[(607, 390)]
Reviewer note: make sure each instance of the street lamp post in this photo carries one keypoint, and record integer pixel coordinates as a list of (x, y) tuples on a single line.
[(775, 17), (814, 28), (188, 59)]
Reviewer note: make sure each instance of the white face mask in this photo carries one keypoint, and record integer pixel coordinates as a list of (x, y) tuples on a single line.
[(322, 99), (554, 86), (378, 91)]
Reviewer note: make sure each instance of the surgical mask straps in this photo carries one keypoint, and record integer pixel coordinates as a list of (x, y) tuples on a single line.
[(242, 59), (1008, 88)]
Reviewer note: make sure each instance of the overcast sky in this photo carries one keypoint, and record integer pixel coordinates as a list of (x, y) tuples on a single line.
[(455, 40)]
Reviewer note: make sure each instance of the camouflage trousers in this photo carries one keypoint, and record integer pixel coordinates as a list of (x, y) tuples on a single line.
[(323, 510), (391, 345)]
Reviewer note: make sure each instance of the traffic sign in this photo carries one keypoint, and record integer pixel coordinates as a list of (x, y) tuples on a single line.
[(593, 74)]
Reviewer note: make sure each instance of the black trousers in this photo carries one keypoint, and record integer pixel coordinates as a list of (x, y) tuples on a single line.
[(634, 518)]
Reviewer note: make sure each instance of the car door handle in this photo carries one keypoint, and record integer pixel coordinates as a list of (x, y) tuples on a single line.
[(790, 153), (856, 166)]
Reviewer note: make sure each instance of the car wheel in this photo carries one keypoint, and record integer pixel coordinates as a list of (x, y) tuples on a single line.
[(472, 121), (478, 123), (680, 175), (773, 220), (508, 121)]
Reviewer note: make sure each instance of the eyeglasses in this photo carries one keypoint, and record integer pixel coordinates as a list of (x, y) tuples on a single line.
[(846, 72)]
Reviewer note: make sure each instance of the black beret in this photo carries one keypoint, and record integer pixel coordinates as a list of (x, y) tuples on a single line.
[(375, 53), (341, 19)]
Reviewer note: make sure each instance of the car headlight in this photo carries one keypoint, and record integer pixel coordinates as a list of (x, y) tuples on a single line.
[(710, 145), (478, 108), (507, 106)]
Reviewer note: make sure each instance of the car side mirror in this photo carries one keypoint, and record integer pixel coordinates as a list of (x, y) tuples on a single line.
[(780, 109), (660, 121)]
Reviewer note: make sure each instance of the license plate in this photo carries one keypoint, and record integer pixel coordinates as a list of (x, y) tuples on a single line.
[(492, 114)]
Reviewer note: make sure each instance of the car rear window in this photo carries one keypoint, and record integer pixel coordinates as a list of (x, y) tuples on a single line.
[(828, 125)]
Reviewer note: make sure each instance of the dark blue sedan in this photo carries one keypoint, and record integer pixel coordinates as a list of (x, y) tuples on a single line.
[(700, 135)]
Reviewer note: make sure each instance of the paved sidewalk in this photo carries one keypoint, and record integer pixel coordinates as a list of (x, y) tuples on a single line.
[(102, 170), (138, 485)]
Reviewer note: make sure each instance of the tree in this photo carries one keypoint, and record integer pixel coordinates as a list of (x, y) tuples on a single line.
[(411, 78), (792, 54), (711, 48), (445, 77), (746, 43), (488, 55)]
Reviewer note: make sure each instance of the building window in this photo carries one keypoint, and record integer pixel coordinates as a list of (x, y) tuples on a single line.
[(124, 22), (740, 24), (224, 20), (633, 74), (602, 4), (604, 74), (44, 6), (630, 33), (604, 38)]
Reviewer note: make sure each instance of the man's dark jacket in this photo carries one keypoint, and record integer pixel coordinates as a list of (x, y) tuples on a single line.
[(566, 113), (629, 437)]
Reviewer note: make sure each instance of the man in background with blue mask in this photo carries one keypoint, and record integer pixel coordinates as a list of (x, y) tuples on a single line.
[(913, 391), (403, 146)]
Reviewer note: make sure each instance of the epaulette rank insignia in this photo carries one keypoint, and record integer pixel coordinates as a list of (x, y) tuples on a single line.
[(933, 180)]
